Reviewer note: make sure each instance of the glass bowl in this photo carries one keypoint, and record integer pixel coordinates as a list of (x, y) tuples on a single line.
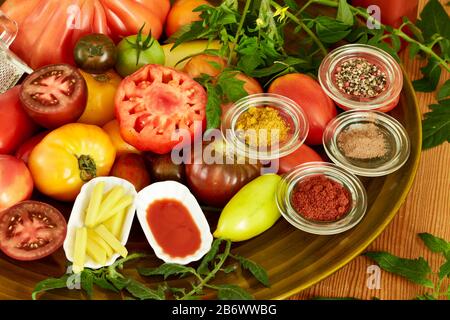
[(356, 189), (385, 101), (289, 110), (394, 134)]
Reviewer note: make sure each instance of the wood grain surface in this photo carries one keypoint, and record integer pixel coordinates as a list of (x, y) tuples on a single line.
[(427, 209)]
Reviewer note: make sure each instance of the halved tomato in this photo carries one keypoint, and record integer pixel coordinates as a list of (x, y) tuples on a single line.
[(31, 230), (154, 102), (54, 95)]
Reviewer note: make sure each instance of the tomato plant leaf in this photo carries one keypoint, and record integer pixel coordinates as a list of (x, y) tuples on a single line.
[(330, 30), (425, 297), (118, 282), (344, 13), (203, 268), (141, 291), (50, 284), (255, 269), (413, 49), (103, 283), (444, 271), (434, 20), (232, 292), (292, 4), (167, 270), (444, 91), (213, 109), (87, 282), (231, 87), (435, 244), (415, 270), (436, 125), (431, 75)]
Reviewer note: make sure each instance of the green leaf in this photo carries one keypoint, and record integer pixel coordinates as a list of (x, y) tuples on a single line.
[(434, 20), (396, 43), (279, 66), (232, 292), (203, 268), (444, 271), (119, 282), (413, 49), (435, 244), (425, 296), (255, 269), (436, 125), (166, 270), (141, 291), (232, 87), (448, 293), (344, 13), (431, 75), (50, 284), (229, 269), (444, 92), (292, 4), (330, 30), (103, 283), (213, 109), (87, 282), (415, 270)]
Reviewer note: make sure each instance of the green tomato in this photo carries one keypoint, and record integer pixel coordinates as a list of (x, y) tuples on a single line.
[(134, 54), (251, 211)]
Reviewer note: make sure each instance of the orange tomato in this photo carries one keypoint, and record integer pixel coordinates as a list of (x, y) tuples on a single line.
[(181, 14), (113, 130), (204, 64)]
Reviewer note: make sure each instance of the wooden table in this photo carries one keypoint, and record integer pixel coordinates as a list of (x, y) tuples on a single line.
[(427, 209)]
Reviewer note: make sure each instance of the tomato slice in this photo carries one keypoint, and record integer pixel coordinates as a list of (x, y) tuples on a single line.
[(54, 95), (154, 102), (31, 230)]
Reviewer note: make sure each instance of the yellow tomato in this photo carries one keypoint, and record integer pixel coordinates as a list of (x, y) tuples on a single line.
[(113, 130), (184, 50), (101, 92), (68, 157)]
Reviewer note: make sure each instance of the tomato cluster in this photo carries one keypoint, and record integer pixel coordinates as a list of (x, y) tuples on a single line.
[(105, 100)]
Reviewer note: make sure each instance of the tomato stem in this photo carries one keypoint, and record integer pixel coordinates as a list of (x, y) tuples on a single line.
[(88, 169)]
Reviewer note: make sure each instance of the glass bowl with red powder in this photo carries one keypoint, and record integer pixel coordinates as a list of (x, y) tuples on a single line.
[(321, 198), (363, 77)]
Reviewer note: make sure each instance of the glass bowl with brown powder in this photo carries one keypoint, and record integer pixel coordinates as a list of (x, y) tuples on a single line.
[(265, 126), (367, 143)]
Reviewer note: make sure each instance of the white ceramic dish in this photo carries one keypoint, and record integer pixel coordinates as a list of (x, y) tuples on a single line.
[(76, 219), (176, 191)]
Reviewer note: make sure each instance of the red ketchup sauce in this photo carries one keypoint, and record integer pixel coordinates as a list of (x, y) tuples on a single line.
[(173, 227)]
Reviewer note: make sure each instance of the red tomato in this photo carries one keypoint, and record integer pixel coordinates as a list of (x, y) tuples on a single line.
[(16, 125), (49, 29), (16, 183), (54, 95), (302, 155), (31, 230), (308, 94), (182, 14), (154, 102), (131, 167), (24, 151)]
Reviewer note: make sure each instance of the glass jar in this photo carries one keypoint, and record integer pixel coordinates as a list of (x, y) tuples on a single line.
[(288, 110), (358, 203), (385, 100)]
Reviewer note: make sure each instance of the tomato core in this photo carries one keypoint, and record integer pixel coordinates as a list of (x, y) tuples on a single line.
[(173, 227), (88, 169), (51, 85)]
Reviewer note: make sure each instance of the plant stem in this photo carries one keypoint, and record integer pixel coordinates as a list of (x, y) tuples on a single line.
[(211, 275), (239, 30), (304, 27)]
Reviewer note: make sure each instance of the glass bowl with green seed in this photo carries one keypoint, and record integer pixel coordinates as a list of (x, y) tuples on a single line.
[(361, 77), (367, 143)]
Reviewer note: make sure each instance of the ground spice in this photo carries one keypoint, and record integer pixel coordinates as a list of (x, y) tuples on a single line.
[(361, 78), (362, 141), (254, 120), (320, 198)]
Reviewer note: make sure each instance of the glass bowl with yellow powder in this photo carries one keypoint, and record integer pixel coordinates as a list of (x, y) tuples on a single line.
[(265, 126), (367, 143)]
